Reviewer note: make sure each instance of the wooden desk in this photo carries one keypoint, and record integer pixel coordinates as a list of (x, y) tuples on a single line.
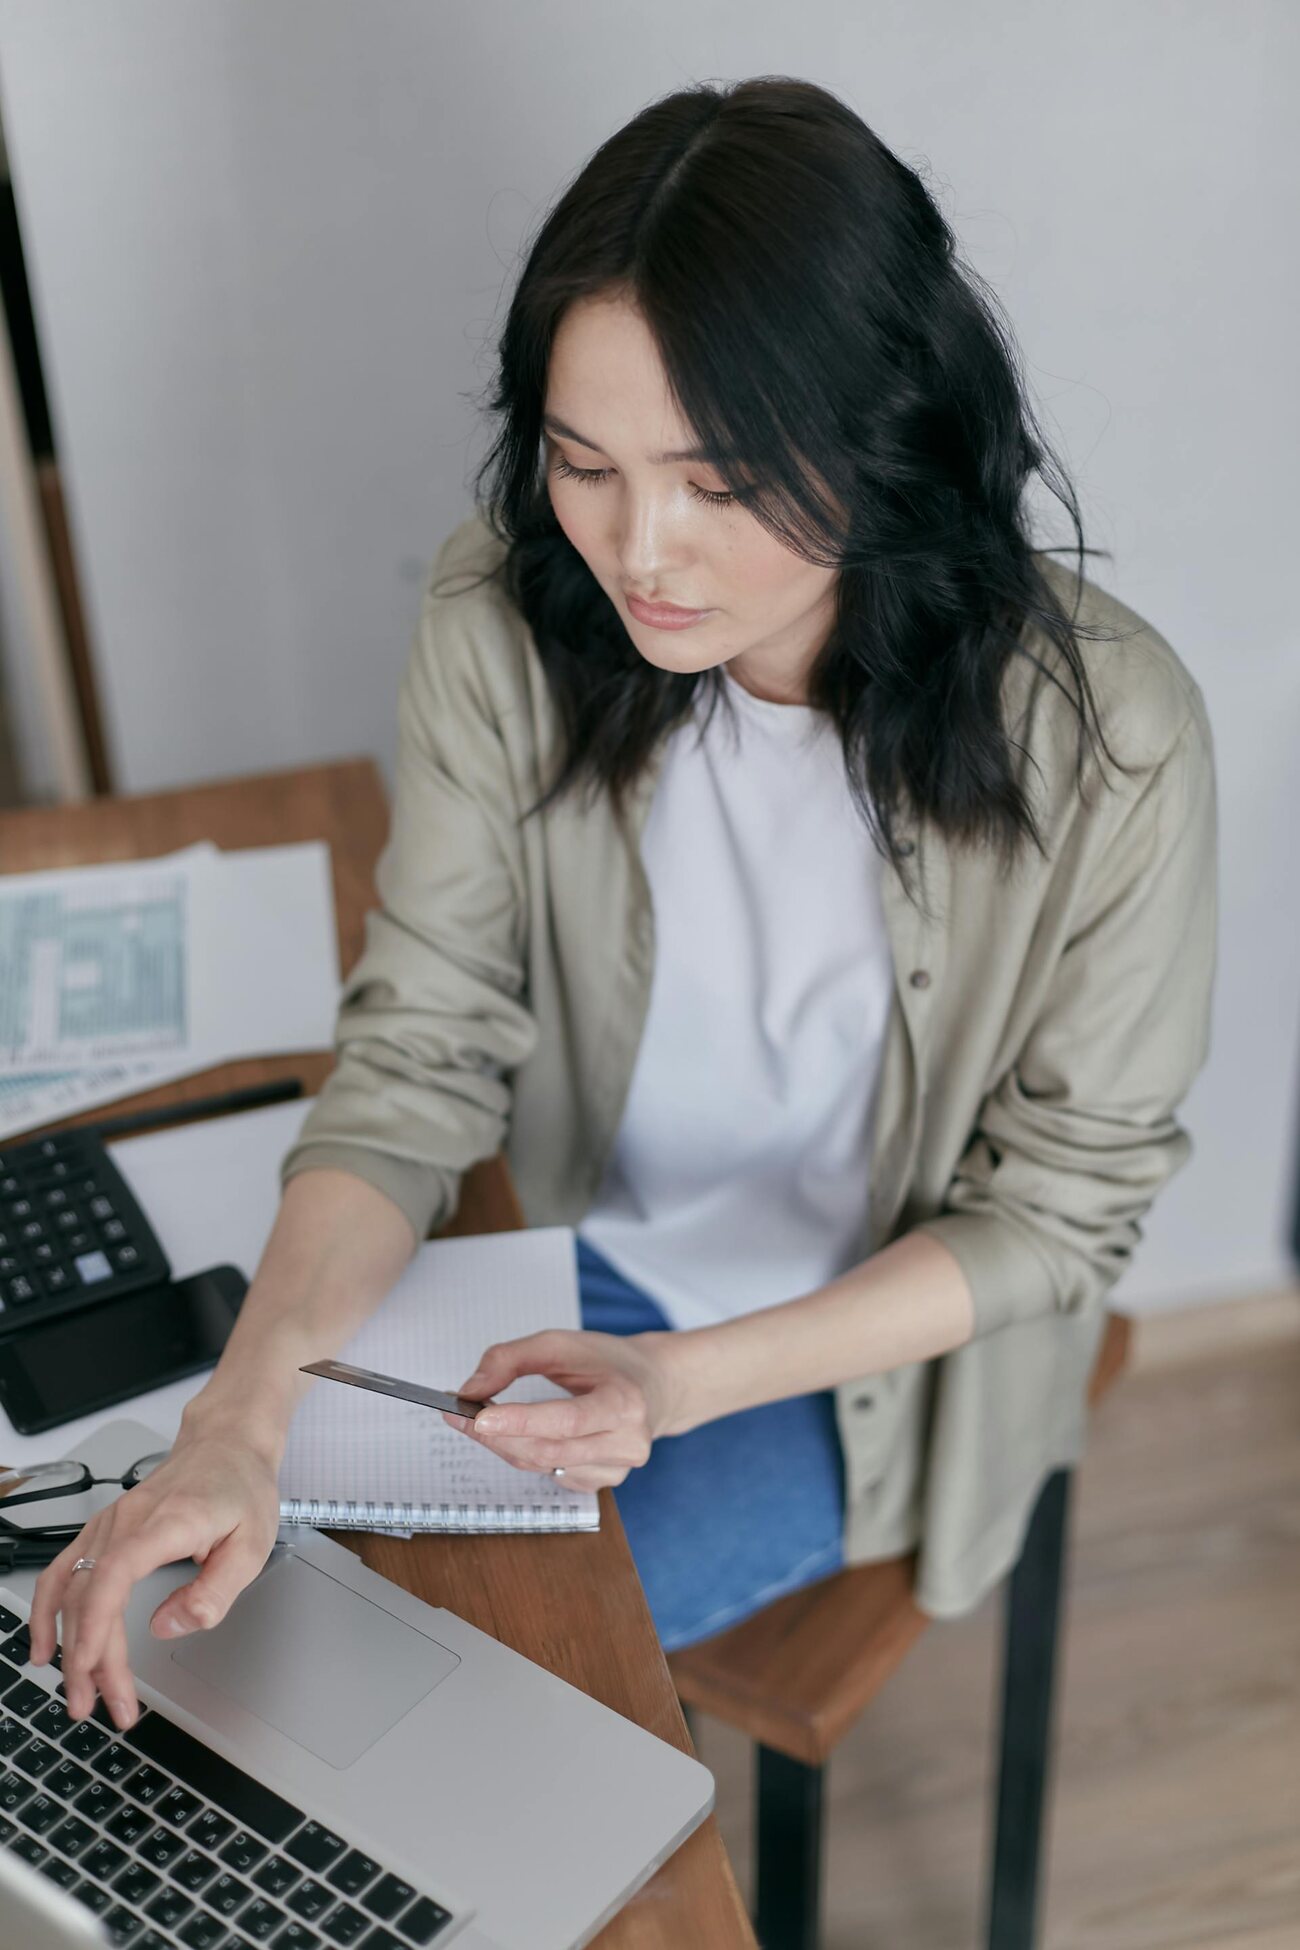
[(571, 1602)]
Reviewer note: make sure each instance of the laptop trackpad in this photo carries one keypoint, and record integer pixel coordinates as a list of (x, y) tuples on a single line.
[(316, 1660)]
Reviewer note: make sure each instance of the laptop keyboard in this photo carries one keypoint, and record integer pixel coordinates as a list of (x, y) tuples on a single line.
[(171, 1844)]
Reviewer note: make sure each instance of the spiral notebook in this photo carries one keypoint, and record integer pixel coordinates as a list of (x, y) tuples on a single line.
[(360, 1461)]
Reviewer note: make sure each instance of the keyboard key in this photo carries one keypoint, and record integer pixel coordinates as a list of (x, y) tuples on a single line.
[(169, 1907), (203, 1933), (226, 1895), (381, 1939), (345, 1924), (423, 1920), (243, 1850), (52, 1719), (147, 1785), (311, 1899), (84, 1740), (102, 1862), (135, 1883), (387, 1897), (261, 1920), (14, 1790), (216, 1779), (9, 1620), (295, 1936), (192, 1869), (28, 1849), (277, 1875), (128, 1824), (99, 1801), (353, 1872), (115, 1762), (162, 1846), (25, 1698), (92, 1895), (37, 1757), (41, 1813), (121, 1925), (316, 1847), (12, 1734), (59, 1871), (177, 1806), (211, 1829), (73, 1835), (67, 1779)]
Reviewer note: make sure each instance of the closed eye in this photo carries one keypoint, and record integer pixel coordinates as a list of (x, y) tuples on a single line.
[(594, 475)]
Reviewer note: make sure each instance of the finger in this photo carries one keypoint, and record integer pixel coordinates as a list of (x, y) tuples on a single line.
[(505, 1361), (595, 1412), (621, 1449), (79, 1692), (112, 1678), (227, 1568), (594, 1479), (48, 1597), (160, 1540)]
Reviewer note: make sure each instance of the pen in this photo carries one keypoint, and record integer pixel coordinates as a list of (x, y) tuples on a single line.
[(253, 1098)]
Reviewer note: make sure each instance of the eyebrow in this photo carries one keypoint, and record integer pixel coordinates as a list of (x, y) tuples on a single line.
[(553, 425)]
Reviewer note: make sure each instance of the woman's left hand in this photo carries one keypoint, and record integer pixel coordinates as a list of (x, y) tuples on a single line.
[(622, 1396)]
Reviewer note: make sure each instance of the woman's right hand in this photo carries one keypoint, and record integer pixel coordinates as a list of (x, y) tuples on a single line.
[(213, 1500)]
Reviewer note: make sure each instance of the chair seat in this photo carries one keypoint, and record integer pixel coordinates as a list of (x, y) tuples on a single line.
[(796, 1675)]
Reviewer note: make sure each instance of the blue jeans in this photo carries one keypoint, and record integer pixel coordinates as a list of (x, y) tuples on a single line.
[(734, 1513)]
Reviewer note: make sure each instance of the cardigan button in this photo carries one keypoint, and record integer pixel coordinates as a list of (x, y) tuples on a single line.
[(864, 1401), (920, 978), (907, 847)]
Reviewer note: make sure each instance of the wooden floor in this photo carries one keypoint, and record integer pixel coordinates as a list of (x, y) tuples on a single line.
[(1176, 1818)]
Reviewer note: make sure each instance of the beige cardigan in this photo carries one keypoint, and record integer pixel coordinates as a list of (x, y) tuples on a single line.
[(1045, 1026)]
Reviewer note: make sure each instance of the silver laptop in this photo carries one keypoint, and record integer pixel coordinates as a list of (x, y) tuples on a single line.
[(335, 1763)]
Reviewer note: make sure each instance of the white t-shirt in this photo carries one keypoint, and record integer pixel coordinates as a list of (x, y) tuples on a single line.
[(739, 1175)]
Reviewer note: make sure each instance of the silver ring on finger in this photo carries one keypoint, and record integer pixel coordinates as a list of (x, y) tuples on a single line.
[(557, 1472), (84, 1564)]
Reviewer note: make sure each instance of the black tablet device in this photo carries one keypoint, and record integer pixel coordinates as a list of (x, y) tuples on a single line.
[(63, 1368)]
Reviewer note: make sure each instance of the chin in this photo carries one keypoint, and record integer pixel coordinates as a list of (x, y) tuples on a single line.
[(680, 665)]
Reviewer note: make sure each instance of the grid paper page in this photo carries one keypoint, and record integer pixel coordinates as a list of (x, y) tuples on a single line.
[(400, 1465)]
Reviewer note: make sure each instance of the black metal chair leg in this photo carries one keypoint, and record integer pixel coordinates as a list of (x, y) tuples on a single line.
[(1033, 1607), (788, 1852)]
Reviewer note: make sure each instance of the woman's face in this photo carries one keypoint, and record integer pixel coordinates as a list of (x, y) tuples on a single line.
[(645, 528)]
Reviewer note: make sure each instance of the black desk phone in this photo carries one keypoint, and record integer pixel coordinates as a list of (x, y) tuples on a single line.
[(89, 1312)]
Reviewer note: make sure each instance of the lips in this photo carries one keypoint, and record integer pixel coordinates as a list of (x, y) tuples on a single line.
[(663, 615)]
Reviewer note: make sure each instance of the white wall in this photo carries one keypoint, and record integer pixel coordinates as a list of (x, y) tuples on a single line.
[(269, 244)]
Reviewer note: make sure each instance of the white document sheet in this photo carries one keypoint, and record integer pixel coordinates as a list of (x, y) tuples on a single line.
[(262, 976), (94, 964)]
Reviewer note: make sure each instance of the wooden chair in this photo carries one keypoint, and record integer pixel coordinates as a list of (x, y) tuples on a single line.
[(796, 1676)]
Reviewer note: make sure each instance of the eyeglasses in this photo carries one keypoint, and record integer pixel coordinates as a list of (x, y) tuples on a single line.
[(26, 1546)]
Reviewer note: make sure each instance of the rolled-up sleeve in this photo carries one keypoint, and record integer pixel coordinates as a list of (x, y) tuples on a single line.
[(1073, 1143), (433, 1018)]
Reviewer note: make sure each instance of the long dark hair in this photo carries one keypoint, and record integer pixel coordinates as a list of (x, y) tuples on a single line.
[(804, 295)]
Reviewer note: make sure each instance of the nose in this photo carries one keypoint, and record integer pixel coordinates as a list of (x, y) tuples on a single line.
[(653, 549)]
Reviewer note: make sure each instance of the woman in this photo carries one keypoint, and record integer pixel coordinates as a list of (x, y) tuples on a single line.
[(799, 950)]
